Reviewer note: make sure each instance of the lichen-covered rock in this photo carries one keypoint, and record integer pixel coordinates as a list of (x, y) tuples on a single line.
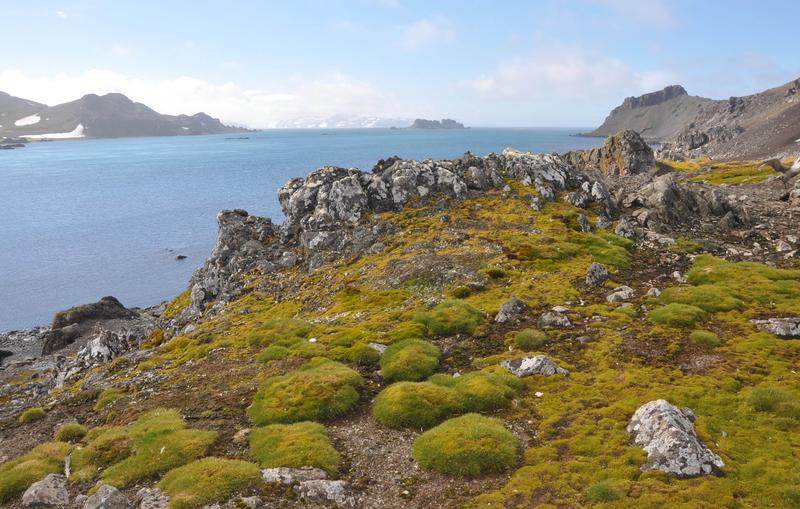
[(152, 498), (327, 493), (510, 311), (49, 492), (784, 328), (535, 365), (668, 202), (620, 294), (107, 497), (597, 274), (554, 319), (105, 308), (284, 475), (667, 434), (624, 153)]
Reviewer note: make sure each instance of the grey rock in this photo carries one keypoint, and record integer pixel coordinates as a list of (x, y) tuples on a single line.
[(105, 308), (49, 492), (584, 223), (584, 339), (784, 328), (667, 434), (79, 501), (653, 292), (553, 319), (285, 475), (782, 246), (327, 493), (620, 294), (597, 274), (379, 347), (535, 365), (628, 229), (56, 339), (252, 502), (624, 153), (152, 498), (107, 497), (511, 311)]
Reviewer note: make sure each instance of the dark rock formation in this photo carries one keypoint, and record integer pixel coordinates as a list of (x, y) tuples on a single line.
[(624, 153), (667, 434), (56, 339), (445, 123), (106, 308)]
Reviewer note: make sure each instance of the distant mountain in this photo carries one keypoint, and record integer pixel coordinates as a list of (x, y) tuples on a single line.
[(445, 123), (342, 122), (759, 125), (93, 116)]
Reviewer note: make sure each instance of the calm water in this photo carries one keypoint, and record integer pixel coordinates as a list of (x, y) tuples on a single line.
[(84, 219)]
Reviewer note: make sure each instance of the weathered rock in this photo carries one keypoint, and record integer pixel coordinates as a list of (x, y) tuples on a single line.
[(621, 293), (378, 347), (327, 493), (597, 274), (624, 153), (511, 311), (49, 492), (628, 229), (285, 475), (784, 328), (584, 223), (152, 498), (653, 292), (667, 434), (252, 502), (674, 204), (103, 347), (106, 308), (554, 319), (536, 365), (107, 497), (56, 339)]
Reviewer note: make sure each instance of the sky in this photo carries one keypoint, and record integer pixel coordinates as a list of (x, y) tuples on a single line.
[(485, 63)]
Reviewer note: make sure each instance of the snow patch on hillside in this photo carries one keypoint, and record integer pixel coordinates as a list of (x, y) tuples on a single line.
[(33, 119), (75, 133)]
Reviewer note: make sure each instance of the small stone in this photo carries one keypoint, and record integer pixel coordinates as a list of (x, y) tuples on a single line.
[(784, 328), (79, 500), (584, 339), (49, 492), (584, 223), (285, 475), (152, 498), (252, 502), (535, 365), (782, 246), (312, 340), (538, 394), (510, 311), (554, 320), (379, 347), (107, 497), (241, 437), (653, 292), (621, 293), (326, 492), (597, 274), (560, 309)]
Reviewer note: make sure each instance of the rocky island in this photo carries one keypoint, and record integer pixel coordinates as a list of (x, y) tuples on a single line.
[(445, 123), (512, 330)]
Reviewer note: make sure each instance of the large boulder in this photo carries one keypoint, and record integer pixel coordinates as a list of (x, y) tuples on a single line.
[(327, 493), (152, 498), (624, 153), (49, 492), (597, 274), (535, 365), (784, 328), (106, 308), (107, 497), (667, 434)]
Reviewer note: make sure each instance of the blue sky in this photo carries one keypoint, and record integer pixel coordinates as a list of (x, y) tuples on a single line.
[(512, 63)]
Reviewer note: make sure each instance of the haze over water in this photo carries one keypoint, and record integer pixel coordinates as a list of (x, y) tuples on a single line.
[(90, 218)]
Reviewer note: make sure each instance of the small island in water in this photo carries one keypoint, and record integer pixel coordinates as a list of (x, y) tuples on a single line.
[(445, 123)]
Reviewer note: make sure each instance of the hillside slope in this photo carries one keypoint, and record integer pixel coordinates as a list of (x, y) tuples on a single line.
[(107, 116)]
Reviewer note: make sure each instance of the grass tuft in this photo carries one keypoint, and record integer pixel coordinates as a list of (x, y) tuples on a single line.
[(32, 415), (70, 432), (18, 474), (415, 405), (705, 338), (303, 444), (450, 317), (676, 315), (107, 397), (208, 481), (410, 360), (529, 340)]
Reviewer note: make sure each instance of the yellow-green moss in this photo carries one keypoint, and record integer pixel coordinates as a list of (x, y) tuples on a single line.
[(676, 315), (303, 444), (280, 331), (529, 340), (272, 353), (32, 415), (208, 481), (180, 303), (70, 432), (450, 317), (705, 338), (467, 446), (415, 405), (322, 389), (409, 360), (107, 397), (18, 474)]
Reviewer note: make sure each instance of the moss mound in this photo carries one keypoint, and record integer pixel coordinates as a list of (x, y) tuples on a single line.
[(322, 389), (303, 444), (152, 445), (70, 432), (410, 360), (415, 405), (705, 338), (107, 397), (208, 481), (272, 353), (18, 474), (450, 317), (467, 446), (529, 340), (483, 391), (676, 315), (280, 331), (32, 415), (709, 298)]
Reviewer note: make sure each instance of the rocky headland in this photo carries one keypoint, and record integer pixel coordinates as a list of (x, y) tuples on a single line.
[(510, 330)]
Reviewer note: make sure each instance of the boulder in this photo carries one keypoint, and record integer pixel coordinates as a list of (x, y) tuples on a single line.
[(784, 328), (597, 274), (667, 434), (621, 293), (104, 309), (107, 497), (285, 475), (554, 319), (628, 229), (56, 339), (535, 365), (624, 153), (510, 311), (327, 493), (49, 492), (152, 498)]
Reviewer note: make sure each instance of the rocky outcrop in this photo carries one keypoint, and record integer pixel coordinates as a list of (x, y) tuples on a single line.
[(49, 492), (784, 328), (554, 319), (104, 309), (536, 365), (667, 434), (103, 347), (445, 123), (624, 153), (597, 274)]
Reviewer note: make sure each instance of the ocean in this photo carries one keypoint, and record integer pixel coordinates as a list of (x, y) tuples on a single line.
[(88, 218)]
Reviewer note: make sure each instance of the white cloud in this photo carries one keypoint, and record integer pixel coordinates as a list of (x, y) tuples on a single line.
[(654, 12), (566, 72), (326, 95), (120, 51), (61, 14), (425, 32)]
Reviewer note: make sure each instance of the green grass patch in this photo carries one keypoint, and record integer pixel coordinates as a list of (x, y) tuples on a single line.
[(709, 298), (705, 338), (603, 491), (280, 331), (467, 446), (18, 474), (410, 360), (180, 303), (208, 481), (749, 282), (70, 432), (32, 415), (529, 340), (107, 397), (322, 389), (676, 315), (450, 317), (272, 353), (303, 444)]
